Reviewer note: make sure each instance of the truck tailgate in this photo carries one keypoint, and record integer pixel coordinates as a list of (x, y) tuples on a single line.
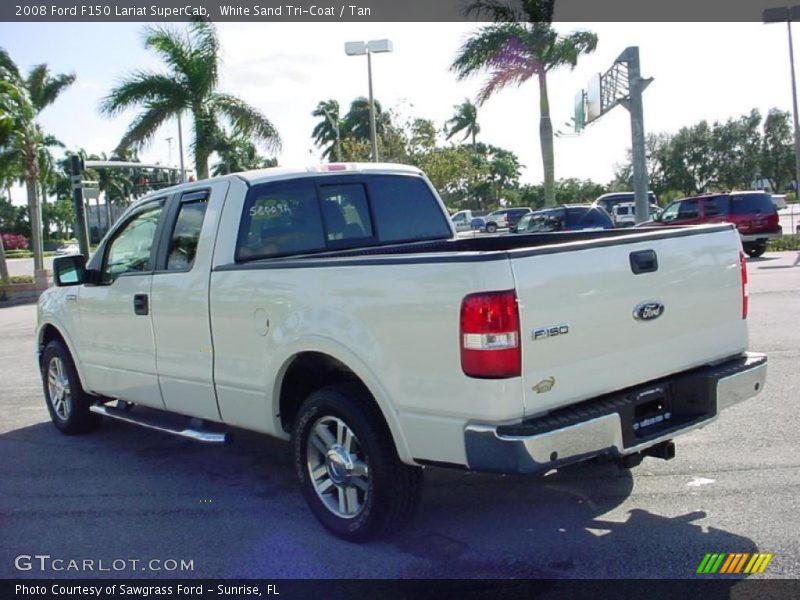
[(580, 336)]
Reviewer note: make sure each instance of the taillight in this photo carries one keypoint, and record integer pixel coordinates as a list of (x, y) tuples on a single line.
[(743, 274), (490, 335)]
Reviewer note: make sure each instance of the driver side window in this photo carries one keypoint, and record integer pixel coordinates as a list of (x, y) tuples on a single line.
[(671, 212), (129, 250)]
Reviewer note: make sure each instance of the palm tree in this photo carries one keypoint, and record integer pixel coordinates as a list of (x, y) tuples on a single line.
[(21, 152), (356, 121), (193, 61), (237, 155), (466, 120), (327, 133), (519, 45)]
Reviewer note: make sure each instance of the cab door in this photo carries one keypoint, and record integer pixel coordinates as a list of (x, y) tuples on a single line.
[(115, 334)]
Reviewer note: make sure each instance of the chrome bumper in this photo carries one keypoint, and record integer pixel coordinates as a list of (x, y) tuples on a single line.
[(761, 237), (604, 426)]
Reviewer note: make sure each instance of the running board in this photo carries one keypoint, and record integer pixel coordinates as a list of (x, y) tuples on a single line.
[(161, 423)]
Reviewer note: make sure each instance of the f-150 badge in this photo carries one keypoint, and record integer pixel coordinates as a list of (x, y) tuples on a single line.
[(647, 311)]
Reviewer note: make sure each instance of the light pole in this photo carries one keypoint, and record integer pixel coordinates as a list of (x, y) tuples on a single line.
[(778, 15), (369, 48)]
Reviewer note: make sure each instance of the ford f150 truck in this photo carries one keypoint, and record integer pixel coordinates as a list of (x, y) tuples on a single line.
[(336, 308)]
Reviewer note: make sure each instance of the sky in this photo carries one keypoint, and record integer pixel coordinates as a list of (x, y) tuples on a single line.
[(709, 71)]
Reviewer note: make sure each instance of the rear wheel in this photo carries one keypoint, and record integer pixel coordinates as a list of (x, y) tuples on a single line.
[(67, 402), (348, 468), (755, 250)]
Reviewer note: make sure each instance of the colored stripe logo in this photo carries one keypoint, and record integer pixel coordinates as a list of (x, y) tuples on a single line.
[(730, 563)]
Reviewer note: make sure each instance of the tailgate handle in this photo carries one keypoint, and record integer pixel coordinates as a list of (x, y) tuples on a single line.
[(644, 261)]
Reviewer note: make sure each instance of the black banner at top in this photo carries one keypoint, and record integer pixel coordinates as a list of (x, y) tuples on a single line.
[(333, 11)]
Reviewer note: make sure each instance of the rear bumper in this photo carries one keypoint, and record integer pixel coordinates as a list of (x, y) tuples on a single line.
[(761, 237), (618, 424)]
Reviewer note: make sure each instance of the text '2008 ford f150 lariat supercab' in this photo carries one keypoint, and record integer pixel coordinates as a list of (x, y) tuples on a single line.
[(334, 306)]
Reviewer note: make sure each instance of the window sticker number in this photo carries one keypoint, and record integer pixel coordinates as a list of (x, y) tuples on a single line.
[(274, 209)]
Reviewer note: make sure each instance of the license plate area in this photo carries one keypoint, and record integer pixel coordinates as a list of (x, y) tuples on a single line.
[(654, 411)]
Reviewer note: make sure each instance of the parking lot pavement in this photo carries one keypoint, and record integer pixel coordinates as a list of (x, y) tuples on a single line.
[(235, 511)]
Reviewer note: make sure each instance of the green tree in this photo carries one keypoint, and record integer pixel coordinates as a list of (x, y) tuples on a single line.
[(21, 151), (520, 45), (464, 120), (327, 133), (736, 150), (239, 154), (777, 153), (190, 85)]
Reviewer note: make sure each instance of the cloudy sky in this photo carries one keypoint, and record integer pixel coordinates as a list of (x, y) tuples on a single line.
[(702, 71)]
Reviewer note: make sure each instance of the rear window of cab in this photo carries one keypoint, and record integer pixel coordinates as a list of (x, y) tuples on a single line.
[(308, 215)]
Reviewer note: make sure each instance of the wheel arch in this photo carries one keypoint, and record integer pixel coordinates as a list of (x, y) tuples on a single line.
[(50, 331), (306, 371)]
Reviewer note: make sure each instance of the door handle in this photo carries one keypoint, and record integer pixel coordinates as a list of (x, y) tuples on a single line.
[(644, 261), (140, 304), (71, 297)]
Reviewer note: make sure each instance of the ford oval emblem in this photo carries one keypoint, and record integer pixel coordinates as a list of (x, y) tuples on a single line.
[(647, 311)]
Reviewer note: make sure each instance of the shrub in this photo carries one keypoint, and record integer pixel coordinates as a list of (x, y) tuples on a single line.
[(13, 241), (783, 243)]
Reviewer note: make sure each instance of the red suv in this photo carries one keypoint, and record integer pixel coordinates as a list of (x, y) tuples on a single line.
[(753, 213)]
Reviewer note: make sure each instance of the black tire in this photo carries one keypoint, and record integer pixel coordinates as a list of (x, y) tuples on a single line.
[(491, 227), (71, 417), (754, 251), (388, 496)]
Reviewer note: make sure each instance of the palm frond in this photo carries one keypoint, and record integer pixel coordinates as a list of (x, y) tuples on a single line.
[(567, 49), (170, 44), (143, 87), (7, 63), (247, 120), (484, 49), (144, 127)]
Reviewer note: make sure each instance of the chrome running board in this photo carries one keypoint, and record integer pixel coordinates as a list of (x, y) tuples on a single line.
[(164, 423)]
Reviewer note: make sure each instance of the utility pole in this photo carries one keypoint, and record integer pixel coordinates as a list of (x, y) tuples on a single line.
[(81, 229), (372, 129), (180, 149), (638, 153)]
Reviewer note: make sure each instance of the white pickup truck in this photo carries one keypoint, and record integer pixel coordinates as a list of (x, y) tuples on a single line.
[(335, 307)]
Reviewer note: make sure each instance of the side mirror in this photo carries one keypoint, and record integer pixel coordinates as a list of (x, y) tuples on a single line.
[(69, 270)]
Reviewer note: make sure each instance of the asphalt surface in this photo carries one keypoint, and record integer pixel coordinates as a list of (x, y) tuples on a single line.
[(235, 511)]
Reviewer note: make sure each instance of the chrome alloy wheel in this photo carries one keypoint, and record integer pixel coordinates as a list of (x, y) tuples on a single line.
[(58, 388), (337, 467)]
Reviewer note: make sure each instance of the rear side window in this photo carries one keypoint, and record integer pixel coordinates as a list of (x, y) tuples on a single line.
[(752, 203), (578, 218), (719, 205), (279, 219), (405, 209), (689, 209), (186, 235)]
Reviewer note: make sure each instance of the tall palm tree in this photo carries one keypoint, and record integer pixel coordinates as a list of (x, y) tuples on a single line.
[(327, 133), (466, 120), (519, 45), (190, 84), (22, 151)]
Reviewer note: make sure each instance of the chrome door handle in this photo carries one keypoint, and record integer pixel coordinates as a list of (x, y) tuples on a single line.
[(71, 298)]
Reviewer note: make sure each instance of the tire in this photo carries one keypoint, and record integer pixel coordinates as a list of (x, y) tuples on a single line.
[(756, 250), (358, 490), (491, 227), (67, 402)]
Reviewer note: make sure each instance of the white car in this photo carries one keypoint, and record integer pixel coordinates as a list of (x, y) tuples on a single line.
[(334, 308), (624, 213)]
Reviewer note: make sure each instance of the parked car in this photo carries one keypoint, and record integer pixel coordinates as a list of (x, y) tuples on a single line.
[(67, 249), (610, 200), (624, 214), (569, 217), (504, 218), (463, 219), (753, 213), (336, 308)]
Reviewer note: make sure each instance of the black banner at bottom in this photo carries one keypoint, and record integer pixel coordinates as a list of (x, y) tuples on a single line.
[(413, 589)]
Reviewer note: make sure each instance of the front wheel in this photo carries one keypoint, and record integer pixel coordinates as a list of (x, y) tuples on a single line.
[(348, 468), (491, 228), (756, 250), (67, 402)]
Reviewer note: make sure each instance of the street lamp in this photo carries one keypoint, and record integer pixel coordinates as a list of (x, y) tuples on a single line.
[(369, 48), (778, 15)]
